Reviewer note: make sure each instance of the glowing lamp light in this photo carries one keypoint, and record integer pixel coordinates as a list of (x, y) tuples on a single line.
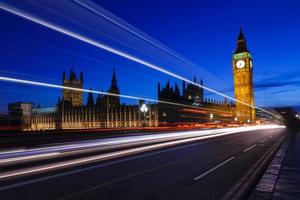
[(235, 119), (248, 120), (211, 116), (144, 108)]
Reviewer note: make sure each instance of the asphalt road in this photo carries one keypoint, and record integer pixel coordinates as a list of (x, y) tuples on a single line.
[(205, 169)]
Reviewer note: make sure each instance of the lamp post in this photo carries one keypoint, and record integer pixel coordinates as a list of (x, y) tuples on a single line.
[(235, 119), (144, 109), (211, 116)]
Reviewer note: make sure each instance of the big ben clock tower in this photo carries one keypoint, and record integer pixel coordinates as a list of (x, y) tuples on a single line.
[(243, 80)]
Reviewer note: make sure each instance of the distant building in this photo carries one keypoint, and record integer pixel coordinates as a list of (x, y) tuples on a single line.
[(20, 115), (290, 115), (189, 105), (44, 118), (264, 117), (105, 112)]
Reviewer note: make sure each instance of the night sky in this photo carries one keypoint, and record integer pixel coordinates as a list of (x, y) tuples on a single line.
[(203, 32)]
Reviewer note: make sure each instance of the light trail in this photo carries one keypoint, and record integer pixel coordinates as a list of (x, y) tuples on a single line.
[(49, 85), (88, 5), (79, 147), (117, 52), (117, 154), (74, 146), (32, 157), (12, 151)]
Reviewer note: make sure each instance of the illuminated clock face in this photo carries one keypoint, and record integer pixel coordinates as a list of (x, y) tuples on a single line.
[(251, 64), (240, 64)]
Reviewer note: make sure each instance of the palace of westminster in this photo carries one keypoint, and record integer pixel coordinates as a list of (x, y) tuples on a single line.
[(188, 104)]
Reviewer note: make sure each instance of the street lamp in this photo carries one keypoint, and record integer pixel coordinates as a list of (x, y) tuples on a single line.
[(211, 116), (144, 109)]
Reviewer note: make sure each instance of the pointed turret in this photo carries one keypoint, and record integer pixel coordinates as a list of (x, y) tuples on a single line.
[(90, 101), (114, 89), (114, 84), (72, 76), (241, 43), (168, 87), (201, 90), (176, 90), (183, 89)]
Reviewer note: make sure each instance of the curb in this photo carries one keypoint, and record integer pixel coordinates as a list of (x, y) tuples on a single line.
[(266, 185), (247, 183)]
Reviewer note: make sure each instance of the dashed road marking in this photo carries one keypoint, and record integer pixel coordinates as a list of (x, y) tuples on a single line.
[(214, 168), (263, 140), (249, 148)]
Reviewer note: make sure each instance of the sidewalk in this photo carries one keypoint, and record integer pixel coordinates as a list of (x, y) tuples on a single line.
[(282, 178)]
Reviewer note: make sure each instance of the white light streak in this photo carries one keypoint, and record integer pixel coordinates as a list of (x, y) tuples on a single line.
[(110, 143), (115, 51), (88, 5), (121, 153), (32, 157), (50, 85), (12, 151)]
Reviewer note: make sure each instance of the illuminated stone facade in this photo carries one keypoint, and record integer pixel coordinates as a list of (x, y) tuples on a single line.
[(105, 112), (74, 96), (242, 67), (188, 105)]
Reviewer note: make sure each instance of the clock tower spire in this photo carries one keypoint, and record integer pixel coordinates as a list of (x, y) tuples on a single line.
[(243, 80), (241, 43)]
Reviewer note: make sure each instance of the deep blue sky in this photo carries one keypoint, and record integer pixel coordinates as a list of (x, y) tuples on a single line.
[(204, 32)]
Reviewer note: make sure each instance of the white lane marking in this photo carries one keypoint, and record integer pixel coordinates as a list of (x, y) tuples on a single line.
[(214, 168), (263, 140), (120, 179), (249, 148)]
